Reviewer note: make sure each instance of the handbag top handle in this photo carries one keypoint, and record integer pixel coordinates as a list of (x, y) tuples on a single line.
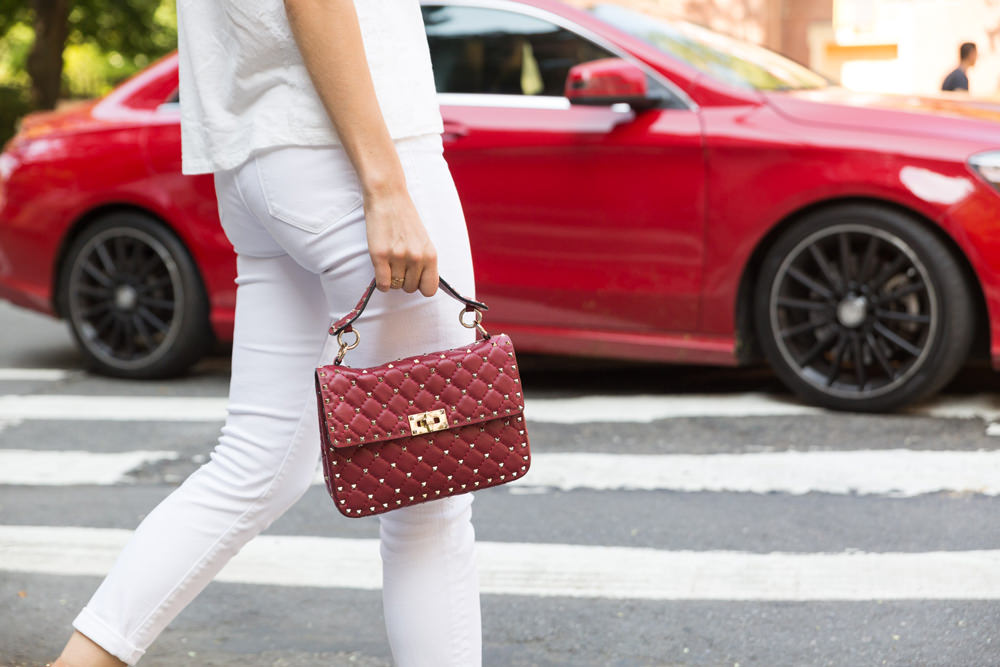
[(343, 325)]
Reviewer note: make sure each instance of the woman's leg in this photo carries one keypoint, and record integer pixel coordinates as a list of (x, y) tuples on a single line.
[(430, 587), (430, 582), (268, 451), (265, 459)]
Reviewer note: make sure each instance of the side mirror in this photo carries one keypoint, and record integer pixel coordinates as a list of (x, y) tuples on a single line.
[(608, 81)]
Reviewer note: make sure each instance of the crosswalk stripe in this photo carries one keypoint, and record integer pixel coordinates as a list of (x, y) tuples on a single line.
[(557, 569), (890, 472), (648, 408), (58, 468), (33, 374), (112, 408), (578, 410)]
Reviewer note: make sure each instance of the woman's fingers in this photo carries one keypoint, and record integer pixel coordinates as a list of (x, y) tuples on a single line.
[(383, 272), (412, 279), (429, 278), (399, 271), (421, 271)]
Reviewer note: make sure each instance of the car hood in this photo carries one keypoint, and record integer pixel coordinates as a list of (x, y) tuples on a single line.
[(945, 116)]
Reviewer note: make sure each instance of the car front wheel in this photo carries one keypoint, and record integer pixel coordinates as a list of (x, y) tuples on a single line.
[(133, 298), (862, 308)]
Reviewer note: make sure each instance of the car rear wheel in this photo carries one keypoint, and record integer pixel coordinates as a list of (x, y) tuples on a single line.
[(862, 308), (133, 298)]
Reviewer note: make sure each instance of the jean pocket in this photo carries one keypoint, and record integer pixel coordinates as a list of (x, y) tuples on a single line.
[(309, 187)]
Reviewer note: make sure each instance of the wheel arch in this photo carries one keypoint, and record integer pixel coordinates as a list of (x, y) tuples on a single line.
[(747, 347)]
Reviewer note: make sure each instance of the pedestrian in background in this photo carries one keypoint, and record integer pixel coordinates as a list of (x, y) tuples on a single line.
[(958, 78), (319, 120)]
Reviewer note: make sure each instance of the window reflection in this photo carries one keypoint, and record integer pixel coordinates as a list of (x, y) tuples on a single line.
[(479, 50), (739, 63)]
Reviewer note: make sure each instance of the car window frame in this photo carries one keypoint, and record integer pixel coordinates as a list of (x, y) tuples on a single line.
[(171, 104), (676, 98)]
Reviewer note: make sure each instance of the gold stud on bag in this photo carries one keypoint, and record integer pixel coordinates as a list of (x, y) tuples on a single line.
[(424, 427)]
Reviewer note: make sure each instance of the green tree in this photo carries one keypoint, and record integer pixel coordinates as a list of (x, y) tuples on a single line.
[(134, 30)]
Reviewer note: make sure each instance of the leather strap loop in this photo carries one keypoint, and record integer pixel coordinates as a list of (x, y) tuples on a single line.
[(344, 323)]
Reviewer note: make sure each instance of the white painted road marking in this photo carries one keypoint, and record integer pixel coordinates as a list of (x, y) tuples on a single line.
[(586, 409), (984, 406), (638, 409), (60, 468), (33, 374), (557, 569), (112, 408), (648, 408), (891, 472)]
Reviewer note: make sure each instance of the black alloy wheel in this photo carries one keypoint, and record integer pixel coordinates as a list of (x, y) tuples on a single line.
[(862, 308), (133, 298)]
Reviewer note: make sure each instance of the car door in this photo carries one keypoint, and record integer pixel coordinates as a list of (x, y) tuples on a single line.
[(581, 217)]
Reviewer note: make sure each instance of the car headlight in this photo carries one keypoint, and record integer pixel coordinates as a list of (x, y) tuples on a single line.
[(987, 164)]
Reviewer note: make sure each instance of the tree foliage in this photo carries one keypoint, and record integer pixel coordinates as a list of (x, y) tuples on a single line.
[(13, 12), (128, 27), (106, 39)]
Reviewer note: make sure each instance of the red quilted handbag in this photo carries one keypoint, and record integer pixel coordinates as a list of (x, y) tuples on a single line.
[(424, 427)]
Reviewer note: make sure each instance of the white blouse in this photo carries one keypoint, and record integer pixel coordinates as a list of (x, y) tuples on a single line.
[(243, 84)]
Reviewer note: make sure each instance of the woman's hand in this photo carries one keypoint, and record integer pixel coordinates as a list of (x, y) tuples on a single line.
[(398, 243)]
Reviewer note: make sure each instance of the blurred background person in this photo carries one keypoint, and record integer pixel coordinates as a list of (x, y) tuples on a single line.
[(958, 78)]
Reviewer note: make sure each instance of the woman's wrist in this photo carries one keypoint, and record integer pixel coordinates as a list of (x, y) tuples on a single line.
[(383, 183)]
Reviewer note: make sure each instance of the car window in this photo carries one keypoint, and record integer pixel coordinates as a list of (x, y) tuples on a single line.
[(739, 63), (481, 50)]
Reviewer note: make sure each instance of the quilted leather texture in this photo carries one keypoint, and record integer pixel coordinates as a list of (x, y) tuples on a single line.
[(371, 461), (472, 384)]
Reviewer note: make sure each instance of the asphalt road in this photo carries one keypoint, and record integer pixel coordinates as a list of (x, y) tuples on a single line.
[(739, 530)]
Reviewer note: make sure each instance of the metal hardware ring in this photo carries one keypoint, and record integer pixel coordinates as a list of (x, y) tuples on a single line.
[(475, 324), (344, 346), (471, 325)]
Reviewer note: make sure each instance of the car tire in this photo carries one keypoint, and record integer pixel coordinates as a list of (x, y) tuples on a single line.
[(134, 299), (862, 283)]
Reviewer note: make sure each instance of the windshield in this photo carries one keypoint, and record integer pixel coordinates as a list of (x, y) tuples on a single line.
[(731, 60)]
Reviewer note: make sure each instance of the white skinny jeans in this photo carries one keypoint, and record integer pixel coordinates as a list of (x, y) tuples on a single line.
[(295, 217)]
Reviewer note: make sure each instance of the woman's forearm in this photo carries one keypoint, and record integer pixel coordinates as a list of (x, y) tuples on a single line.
[(328, 35)]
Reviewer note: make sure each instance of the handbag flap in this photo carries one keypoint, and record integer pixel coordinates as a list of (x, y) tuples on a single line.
[(458, 387)]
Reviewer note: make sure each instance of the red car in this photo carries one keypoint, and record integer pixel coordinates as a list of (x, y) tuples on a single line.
[(634, 188)]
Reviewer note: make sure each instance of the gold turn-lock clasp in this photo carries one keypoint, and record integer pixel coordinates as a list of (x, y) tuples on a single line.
[(425, 422)]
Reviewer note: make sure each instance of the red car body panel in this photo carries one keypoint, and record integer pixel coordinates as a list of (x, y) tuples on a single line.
[(595, 231)]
